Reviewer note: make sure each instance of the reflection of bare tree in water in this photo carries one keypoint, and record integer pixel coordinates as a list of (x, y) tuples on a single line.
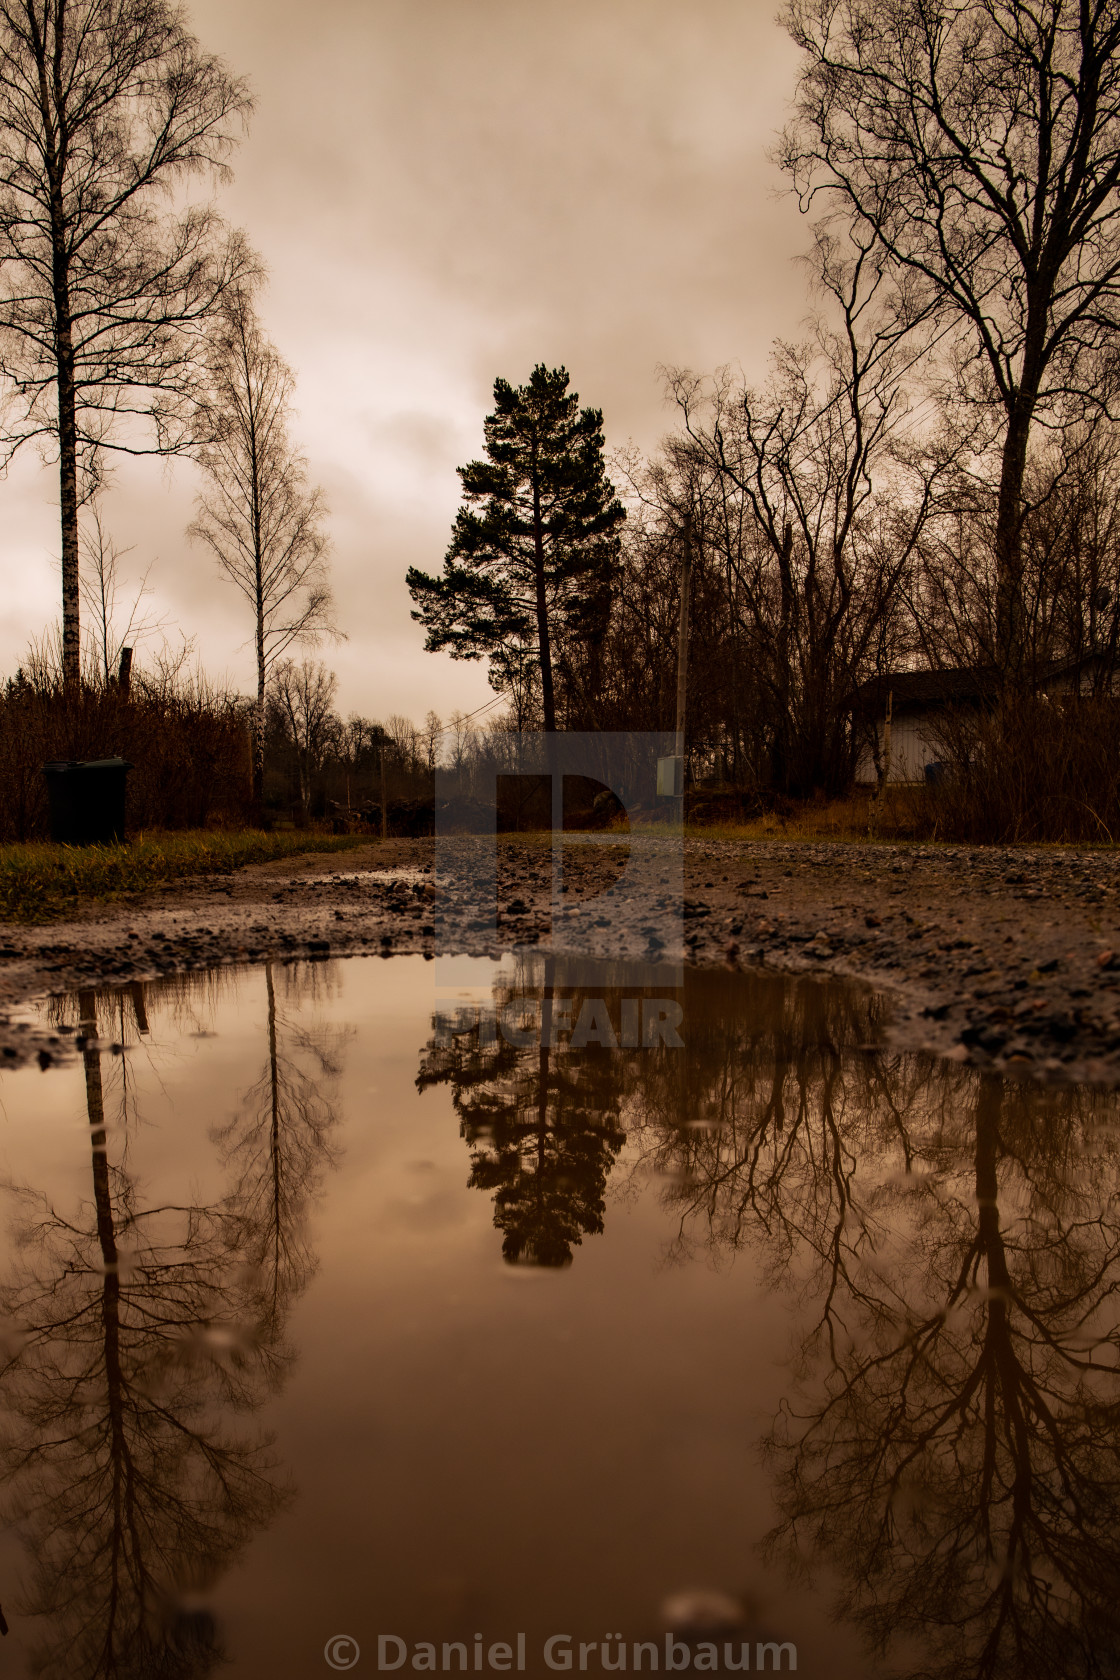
[(960, 1458), (953, 1449), (541, 1123), (138, 1340), (279, 1146), (756, 1124)]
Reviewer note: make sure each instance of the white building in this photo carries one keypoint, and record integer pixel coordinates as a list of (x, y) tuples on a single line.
[(920, 700)]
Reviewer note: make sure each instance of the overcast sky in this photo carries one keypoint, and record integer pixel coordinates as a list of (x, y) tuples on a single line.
[(445, 191)]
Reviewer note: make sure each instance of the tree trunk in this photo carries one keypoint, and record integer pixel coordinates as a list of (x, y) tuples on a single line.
[(548, 700), (1010, 649), (258, 718), (1009, 544), (258, 577), (68, 478), (56, 136)]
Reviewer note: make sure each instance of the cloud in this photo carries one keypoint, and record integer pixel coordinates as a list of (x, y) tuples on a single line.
[(448, 192)]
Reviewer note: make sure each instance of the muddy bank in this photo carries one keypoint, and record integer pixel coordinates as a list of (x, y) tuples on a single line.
[(1008, 957)]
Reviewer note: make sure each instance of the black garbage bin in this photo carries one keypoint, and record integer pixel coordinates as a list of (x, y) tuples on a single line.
[(87, 800)]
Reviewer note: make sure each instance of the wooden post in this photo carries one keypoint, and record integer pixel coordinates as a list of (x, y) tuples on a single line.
[(124, 671), (883, 768), (384, 807), (682, 642), (139, 1007)]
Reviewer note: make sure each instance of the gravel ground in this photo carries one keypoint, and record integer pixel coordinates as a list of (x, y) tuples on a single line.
[(1005, 957)]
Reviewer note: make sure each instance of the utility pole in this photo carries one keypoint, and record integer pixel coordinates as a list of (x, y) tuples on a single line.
[(670, 771), (682, 640), (883, 768)]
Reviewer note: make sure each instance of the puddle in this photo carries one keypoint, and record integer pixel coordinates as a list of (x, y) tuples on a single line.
[(334, 1310)]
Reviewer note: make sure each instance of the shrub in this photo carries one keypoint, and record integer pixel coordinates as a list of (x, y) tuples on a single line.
[(1036, 768), (188, 744)]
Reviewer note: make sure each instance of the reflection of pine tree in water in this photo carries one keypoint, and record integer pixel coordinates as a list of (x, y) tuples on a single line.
[(546, 1154), (543, 1129), (139, 1336)]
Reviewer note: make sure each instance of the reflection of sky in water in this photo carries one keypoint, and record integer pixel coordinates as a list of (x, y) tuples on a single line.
[(477, 1446)]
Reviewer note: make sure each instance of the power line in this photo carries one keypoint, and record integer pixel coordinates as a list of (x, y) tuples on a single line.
[(498, 698)]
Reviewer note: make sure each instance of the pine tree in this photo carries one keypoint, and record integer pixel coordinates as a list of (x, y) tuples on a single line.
[(534, 549)]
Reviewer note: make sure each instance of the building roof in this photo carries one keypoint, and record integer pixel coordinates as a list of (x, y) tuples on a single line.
[(955, 685), (917, 690)]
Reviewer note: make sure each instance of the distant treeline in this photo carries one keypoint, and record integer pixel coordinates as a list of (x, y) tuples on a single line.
[(189, 743), (810, 588), (821, 566)]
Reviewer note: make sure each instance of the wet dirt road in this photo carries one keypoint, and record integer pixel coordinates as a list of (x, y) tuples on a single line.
[(1005, 957)]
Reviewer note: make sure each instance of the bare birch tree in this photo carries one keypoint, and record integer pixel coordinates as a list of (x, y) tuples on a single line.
[(303, 698), (106, 107), (109, 629), (430, 736), (258, 514), (404, 739)]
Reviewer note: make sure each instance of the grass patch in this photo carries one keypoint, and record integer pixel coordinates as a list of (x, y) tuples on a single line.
[(892, 817), (42, 882)]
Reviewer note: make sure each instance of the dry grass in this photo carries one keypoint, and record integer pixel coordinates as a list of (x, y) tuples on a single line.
[(42, 882), (1036, 770), (895, 816)]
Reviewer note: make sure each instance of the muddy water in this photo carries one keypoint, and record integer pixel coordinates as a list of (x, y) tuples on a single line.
[(562, 1305)]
